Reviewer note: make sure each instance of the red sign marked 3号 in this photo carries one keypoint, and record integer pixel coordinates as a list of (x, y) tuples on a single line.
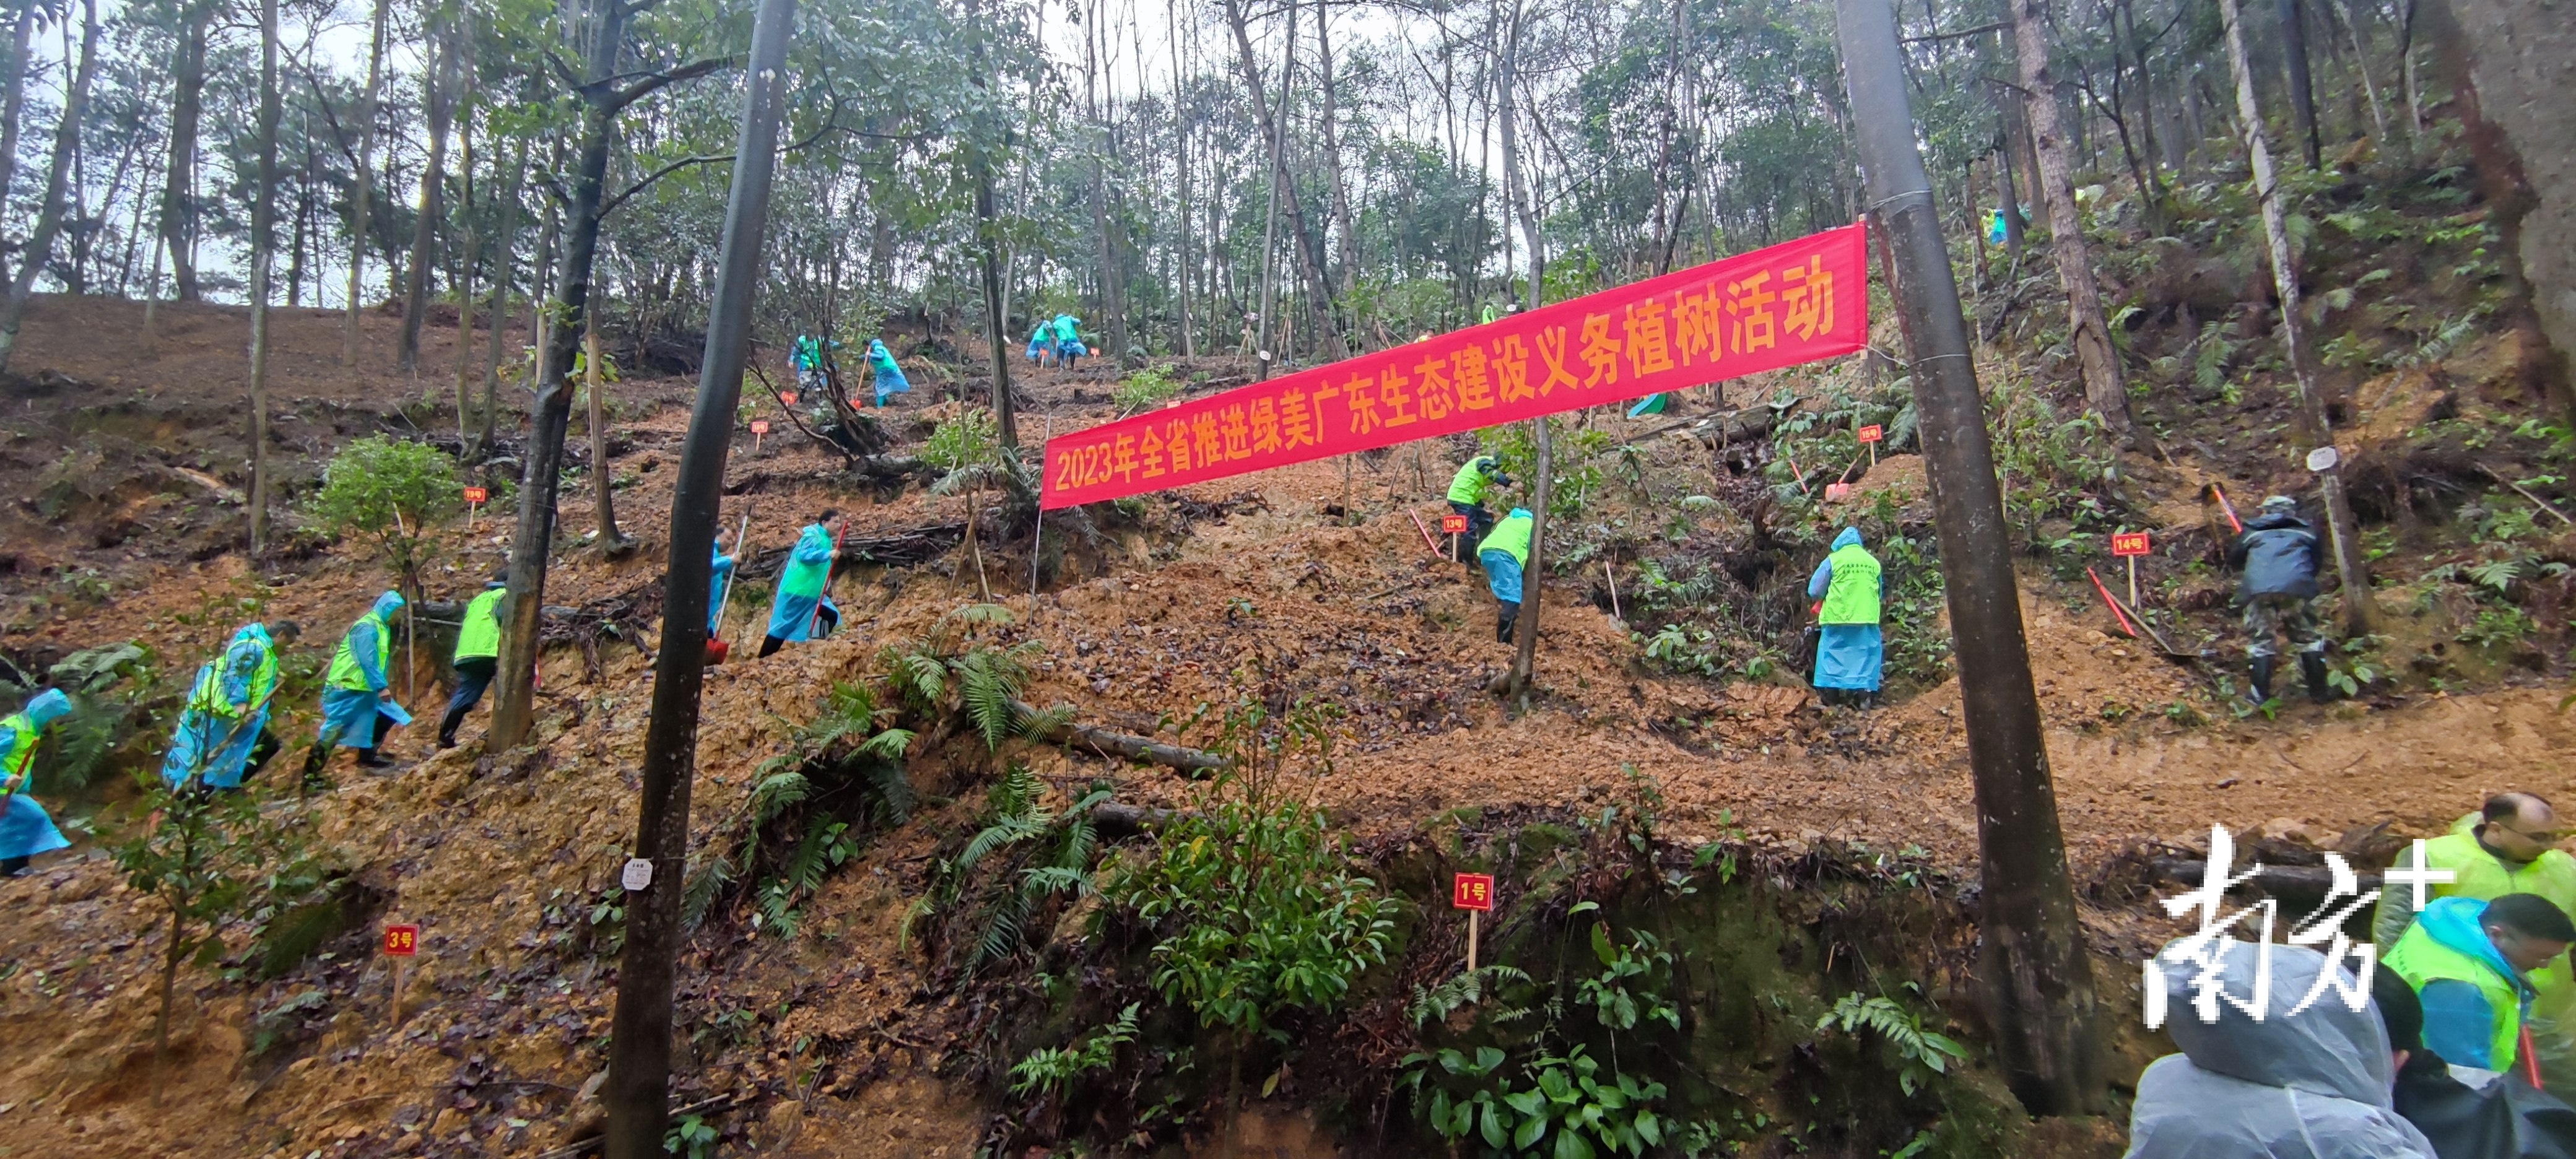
[(402, 941), (1472, 891)]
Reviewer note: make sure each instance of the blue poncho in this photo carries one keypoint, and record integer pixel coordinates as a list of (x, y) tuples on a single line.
[(803, 584), (25, 830), (1847, 655), (214, 747)]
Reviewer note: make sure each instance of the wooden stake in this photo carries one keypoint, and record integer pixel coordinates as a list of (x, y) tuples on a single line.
[(1471, 940), (2133, 581), (397, 995)]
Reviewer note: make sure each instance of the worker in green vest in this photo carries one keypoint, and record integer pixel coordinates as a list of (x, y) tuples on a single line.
[(1849, 651), (223, 732), (2507, 846), (1504, 552), (2469, 960), (478, 654), (25, 830), (1467, 494), (357, 693)]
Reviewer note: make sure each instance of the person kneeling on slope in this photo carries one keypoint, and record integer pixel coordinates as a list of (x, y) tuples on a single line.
[(1504, 553)]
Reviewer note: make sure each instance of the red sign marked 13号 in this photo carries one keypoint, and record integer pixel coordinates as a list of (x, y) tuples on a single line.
[(477, 496), (1872, 433), (402, 941), (1453, 525), (1472, 891), (2128, 543)]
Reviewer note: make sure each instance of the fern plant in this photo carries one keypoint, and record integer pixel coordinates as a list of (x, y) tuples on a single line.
[(1051, 1070), (1920, 1053), (983, 901), (797, 824), (951, 672)]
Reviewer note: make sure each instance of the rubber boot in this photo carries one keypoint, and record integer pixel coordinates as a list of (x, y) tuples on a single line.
[(2312, 667), (367, 759), (2261, 688), (13, 867), (1503, 623)]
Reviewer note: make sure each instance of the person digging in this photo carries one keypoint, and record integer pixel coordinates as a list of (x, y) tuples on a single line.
[(478, 654), (1467, 494), (2277, 558), (1504, 552)]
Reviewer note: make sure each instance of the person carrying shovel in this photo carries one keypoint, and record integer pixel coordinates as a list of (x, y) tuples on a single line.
[(223, 732), (803, 608)]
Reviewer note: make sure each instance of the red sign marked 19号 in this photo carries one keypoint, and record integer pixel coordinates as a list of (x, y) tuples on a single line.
[(2129, 545), (1872, 433), (1796, 302), (474, 500), (477, 496), (1474, 893), (759, 427)]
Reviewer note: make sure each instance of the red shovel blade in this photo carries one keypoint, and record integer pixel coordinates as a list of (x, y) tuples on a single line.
[(717, 650)]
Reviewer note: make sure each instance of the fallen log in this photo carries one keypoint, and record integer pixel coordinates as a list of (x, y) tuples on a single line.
[(1103, 742), (1116, 821), (2305, 880)]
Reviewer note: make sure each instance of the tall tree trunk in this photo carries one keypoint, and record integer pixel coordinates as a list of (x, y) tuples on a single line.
[(1515, 193), (362, 198), (2104, 393), (2036, 973), (602, 97), (1181, 267), (602, 475), (1114, 311), (179, 188), (1274, 130), (15, 105), (2303, 95), (2361, 65), (2349, 566), (466, 252), (988, 254), (263, 258), (1264, 353), (440, 108), (1350, 245), (504, 239), (637, 1093), (49, 213)]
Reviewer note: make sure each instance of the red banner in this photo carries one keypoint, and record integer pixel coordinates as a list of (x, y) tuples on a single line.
[(1795, 302)]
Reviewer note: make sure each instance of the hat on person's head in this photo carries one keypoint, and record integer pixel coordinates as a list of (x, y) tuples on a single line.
[(2279, 503)]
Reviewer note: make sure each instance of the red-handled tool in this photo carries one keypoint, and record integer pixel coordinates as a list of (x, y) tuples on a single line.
[(2230, 509), (2108, 601)]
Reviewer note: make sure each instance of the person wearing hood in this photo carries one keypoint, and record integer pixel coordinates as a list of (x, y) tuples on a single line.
[(803, 608), (1467, 493), (810, 357), (2470, 961), (2277, 556), (719, 584), (2509, 845), (357, 693), (1042, 343), (2314, 1085), (223, 732), (1504, 552), (25, 830), (1068, 340), (1849, 652), (478, 654), (889, 377)]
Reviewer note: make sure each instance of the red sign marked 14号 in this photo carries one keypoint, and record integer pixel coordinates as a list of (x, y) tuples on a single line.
[(2129, 543)]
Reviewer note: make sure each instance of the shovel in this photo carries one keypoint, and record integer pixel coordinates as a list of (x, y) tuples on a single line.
[(2129, 616), (717, 649)]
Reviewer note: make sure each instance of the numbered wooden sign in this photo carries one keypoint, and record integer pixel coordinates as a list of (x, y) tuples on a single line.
[(402, 941), (1453, 525), (477, 496), (1473, 891), (1872, 433), (760, 426), (2129, 543), (1837, 492), (787, 396)]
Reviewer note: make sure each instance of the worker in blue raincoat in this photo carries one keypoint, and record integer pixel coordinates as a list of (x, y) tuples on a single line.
[(1042, 343), (1850, 652), (890, 379), (1505, 551), (803, 608), (25, 830), (223, 732), (1068, 340), (358, 696), (719, 585)]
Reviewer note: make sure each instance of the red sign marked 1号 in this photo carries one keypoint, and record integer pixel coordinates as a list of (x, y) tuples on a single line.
[(1474, 893)]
